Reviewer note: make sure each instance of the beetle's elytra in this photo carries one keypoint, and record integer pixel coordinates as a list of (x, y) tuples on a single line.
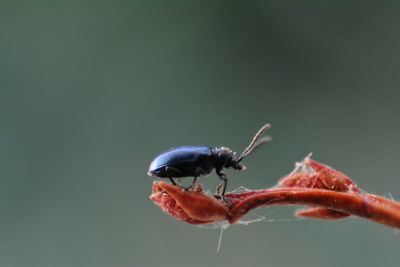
[(196, 161)]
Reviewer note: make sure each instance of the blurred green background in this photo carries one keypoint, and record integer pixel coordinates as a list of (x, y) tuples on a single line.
[(91, 92)]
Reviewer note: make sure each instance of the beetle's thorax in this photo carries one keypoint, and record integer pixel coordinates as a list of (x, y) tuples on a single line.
[(223, 157)]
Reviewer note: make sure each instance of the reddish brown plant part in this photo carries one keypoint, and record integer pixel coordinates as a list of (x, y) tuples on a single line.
[(326, 193)]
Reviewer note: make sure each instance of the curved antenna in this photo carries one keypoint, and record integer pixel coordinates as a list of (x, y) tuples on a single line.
[(256, 142)]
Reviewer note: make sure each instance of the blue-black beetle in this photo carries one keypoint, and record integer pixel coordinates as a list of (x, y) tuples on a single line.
[(195, 161)]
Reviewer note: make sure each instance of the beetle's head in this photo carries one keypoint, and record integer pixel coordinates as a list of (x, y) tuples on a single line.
[(234, 164), (228, 159)]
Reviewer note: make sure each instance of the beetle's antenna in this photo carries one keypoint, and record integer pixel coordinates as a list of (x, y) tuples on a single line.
[(256, 142)]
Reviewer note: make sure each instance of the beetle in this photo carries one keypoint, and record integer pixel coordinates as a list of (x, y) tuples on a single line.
[(196, 161)]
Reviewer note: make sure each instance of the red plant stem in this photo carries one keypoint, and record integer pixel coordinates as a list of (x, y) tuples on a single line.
[(383, 201), (368, 206)]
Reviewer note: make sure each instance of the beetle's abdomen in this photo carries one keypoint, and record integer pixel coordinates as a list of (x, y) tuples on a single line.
[(182, 162)]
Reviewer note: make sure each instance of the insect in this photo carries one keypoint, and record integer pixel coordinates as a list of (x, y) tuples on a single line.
[(196, 161)]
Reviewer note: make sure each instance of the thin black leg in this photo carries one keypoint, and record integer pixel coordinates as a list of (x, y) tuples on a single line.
[(222, 185), (172, 181), (193, 185)]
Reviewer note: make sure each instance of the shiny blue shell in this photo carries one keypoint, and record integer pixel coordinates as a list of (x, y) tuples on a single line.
[(183, 156)]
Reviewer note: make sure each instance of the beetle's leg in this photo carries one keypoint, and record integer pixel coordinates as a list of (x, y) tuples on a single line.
[(173, 172), (223, 184), (193, 185), (173, 181)]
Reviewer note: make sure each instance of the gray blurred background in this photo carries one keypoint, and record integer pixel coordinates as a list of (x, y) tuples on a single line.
[(91, 92)]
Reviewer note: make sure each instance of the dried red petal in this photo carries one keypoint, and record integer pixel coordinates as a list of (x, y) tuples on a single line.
[(192, 207), (320, 176), (169, 206), (332, 179), (321, 213)]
